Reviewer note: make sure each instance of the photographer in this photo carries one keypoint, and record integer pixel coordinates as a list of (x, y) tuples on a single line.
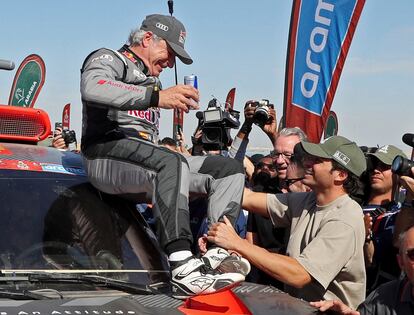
[(64, 139), (380, 212), (408, 182), (211, 139), (212, 135), (405, 217), (266, 121), (324, 253)]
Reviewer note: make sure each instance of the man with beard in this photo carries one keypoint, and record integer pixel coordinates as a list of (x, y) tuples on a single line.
[(265, 179), (260, 230), (380, 214), (324, 257)]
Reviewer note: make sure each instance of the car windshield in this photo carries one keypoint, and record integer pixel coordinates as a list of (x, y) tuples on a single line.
[(59, 222)]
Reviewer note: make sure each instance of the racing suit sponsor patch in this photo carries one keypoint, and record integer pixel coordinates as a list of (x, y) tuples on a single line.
[(150, 116), (123, 86)]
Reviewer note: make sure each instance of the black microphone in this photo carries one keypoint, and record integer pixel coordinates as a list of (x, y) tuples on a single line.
[(6, 64), (171, 7), (408, 139)]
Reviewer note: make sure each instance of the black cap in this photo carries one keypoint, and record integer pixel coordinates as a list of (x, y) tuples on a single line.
[(171, 30)]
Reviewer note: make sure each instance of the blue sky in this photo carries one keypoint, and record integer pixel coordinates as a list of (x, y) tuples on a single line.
[(234, 43)]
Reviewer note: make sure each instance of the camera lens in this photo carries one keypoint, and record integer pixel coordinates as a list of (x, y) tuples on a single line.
[(211, 135), (261, 115), (402, 166)]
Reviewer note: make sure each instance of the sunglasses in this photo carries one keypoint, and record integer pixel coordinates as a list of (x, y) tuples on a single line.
[(410, 254), (378, 165), (270, 167), (289, 181)]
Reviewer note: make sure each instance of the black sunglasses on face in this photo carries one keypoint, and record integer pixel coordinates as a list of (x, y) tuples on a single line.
[(289, 181), (271, 167)]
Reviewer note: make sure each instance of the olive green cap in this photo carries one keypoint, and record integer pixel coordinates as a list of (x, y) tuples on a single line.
[(339, 149), (387, 153)]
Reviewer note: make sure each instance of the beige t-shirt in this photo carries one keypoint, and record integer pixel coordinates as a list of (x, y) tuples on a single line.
[(327, 241)]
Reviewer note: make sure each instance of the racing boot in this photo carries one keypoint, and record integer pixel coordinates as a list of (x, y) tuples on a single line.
[(220, 259), (192, 277)]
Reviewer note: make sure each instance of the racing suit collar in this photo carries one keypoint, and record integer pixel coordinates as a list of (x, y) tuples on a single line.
[(134, 58)]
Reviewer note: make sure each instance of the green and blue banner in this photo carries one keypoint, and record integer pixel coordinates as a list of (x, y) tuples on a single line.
[(320, 36), (28, 81)]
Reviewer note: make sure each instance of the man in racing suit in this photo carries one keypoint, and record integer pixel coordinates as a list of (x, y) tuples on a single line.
[(122, 97)]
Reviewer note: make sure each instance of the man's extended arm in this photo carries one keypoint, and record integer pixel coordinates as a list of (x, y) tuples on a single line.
[(255, 202), (281, 267)]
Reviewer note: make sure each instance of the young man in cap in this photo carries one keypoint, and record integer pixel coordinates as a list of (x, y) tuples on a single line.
[(122, 98), (324, 253), (262, 231), (381, 210)]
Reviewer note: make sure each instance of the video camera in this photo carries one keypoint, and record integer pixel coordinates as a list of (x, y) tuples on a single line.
[(400, 165), (215, 124)]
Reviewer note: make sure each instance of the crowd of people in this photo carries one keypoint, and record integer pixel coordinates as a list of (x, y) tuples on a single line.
[(329, 223)]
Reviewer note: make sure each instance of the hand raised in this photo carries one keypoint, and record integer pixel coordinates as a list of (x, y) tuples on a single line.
[(183, 97)]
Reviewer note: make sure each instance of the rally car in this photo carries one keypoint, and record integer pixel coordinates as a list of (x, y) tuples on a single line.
[(66, 248)]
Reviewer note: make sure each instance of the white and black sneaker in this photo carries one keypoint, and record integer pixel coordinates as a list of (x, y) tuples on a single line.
[(220, 259), (192, 277)]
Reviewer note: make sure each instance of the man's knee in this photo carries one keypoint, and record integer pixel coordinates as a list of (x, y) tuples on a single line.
[(220, 167), (173, 159)]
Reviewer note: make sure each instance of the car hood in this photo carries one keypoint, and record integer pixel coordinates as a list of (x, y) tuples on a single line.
[(247, 298)]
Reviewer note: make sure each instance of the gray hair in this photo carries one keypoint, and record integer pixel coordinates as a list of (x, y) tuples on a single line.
[(293, 131), (136, 36)]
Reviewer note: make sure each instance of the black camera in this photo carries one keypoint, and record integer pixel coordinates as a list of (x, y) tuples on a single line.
[(215, 124), (261, 114), (402, 166), (69, 136)]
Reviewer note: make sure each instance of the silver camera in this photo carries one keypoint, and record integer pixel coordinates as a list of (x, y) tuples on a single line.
[(261, 114)]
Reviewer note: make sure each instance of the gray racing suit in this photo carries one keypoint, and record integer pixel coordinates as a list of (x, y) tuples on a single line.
[(121, 155)]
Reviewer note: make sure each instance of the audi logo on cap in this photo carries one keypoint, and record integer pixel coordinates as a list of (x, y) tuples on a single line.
[(162, 26)]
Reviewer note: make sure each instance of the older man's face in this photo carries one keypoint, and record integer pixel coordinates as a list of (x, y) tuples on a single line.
[(406, 255), (160, 56), (283, 152)]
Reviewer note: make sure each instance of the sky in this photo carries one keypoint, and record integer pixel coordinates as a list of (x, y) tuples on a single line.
[(233, 43)]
